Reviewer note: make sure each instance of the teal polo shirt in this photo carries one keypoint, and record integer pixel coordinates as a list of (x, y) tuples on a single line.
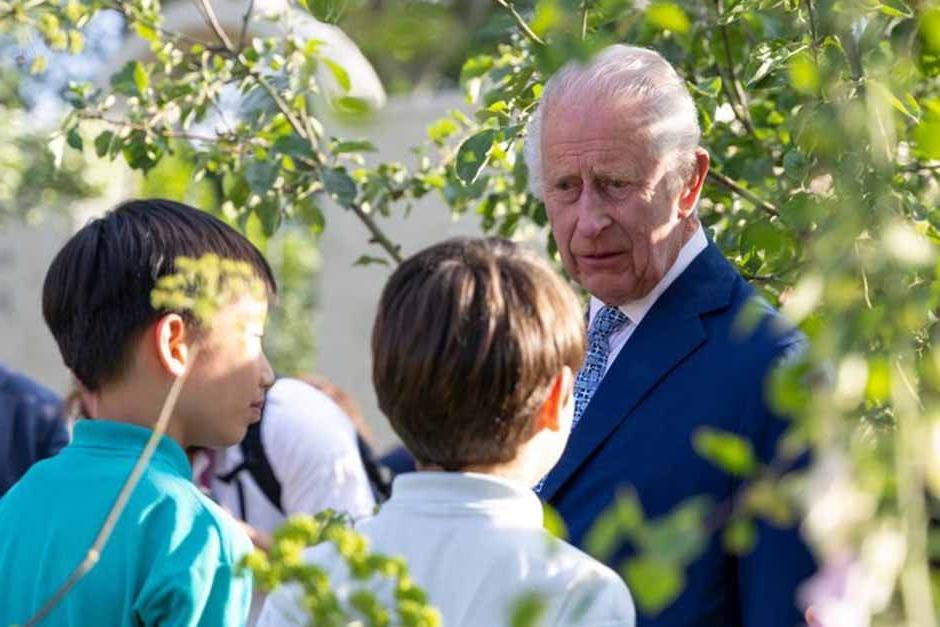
[(171, 561)]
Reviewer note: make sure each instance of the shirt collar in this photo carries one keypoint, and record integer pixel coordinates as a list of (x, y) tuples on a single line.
[(466, 493), (636, 310), (110, 435)]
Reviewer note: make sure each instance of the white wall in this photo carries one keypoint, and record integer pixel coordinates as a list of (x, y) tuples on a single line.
[(349, 294)]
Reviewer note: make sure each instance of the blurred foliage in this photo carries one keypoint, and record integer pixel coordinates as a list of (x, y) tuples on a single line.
[(823, 122), (37, 176), (284, 565)]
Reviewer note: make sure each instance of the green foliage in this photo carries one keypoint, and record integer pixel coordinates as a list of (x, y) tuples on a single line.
[(201, 286), (821, 120), (284, 564)]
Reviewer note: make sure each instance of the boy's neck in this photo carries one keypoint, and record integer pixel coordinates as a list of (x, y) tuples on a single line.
[(137, 405)]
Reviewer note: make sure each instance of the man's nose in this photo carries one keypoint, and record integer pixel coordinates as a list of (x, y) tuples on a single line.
[(593, 217)]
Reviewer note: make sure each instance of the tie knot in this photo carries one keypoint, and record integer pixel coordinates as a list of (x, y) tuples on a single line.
[(606, 323)]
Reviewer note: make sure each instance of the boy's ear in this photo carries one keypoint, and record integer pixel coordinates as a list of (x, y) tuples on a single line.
[(171, 336), (550, 415)]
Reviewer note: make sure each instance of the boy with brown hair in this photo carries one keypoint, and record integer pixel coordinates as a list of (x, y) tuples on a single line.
[(173, 556), (474, 346)]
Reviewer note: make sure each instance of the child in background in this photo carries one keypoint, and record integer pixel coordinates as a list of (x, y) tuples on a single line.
[(173, 556), (474, 346)]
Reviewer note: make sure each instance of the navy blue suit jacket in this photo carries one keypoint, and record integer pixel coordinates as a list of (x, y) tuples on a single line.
[(687, 365)]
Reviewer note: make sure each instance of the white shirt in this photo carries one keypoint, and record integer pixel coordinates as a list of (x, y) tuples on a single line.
[(636, 310), (475, 544)]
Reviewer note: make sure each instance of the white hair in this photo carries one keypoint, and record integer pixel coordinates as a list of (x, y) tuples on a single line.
[(617, 74)]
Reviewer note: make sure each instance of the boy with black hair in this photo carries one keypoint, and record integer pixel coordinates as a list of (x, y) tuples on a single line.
[(474, 346), (173, 556)]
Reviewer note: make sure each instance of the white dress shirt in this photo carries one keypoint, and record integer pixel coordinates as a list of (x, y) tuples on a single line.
[(636, 310), (475, 544)]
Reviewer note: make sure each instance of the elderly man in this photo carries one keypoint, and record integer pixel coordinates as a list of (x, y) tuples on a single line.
[(613, 151)]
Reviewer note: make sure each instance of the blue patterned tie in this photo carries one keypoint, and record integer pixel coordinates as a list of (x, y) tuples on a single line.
[(605, 324), (607, 321)]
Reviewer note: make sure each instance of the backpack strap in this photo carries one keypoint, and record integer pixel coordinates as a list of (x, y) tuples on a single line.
[(255, 461), (379, 476)]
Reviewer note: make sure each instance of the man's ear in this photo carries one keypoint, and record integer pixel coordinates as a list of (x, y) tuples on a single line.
[(550, 414), (172, 343), (692, 188)]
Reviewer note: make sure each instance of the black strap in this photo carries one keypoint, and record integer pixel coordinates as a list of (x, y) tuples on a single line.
[(255, 461), (379, 475)]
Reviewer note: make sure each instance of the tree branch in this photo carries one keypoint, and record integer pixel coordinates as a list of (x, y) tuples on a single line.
[(509, 6), (213, 22), (245, 20), (378, 237), (739, 103), (729, 184), (282, 106)]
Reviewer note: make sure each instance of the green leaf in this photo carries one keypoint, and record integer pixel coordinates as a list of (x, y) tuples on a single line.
[(125, 80), (528, 610), (339, 185), (352, 105), (895, 8), (74, 139), (103, 143), (39, 65), (473, 154), (440, 130), (339, 73), (310, 213), (270, 214), (475, 67), (740, 536), (357, 145), (668, 16), (804, 75), (261, 175), (368, 260), (293, 145), (930, 28), (654, 583), (728, 451), (927, 137), (553, 522), (141, 78)]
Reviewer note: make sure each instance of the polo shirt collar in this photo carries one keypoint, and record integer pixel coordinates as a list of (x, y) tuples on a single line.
[(113, 436), (466, 494)]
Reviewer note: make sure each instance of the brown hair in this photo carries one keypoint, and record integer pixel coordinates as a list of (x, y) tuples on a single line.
[(469, 335)]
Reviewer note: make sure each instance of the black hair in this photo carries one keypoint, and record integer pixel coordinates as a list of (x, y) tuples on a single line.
[(96, 295)]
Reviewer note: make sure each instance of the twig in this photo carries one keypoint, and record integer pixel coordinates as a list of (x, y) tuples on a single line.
[(812, 30), (282, 106), (245, 19), (740, 100), (378, 237), (584, 19), (94, 553), (864, 278), (521, 21), (213, 22), (170, 134), (729, 184)]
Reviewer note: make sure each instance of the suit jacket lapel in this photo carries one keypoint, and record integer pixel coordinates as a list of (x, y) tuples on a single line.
[(670, 331)]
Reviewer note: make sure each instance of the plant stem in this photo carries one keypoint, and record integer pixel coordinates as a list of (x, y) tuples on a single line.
[(245, 20), (520, 21), (378, 237), (729, 184), (213, 22)]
